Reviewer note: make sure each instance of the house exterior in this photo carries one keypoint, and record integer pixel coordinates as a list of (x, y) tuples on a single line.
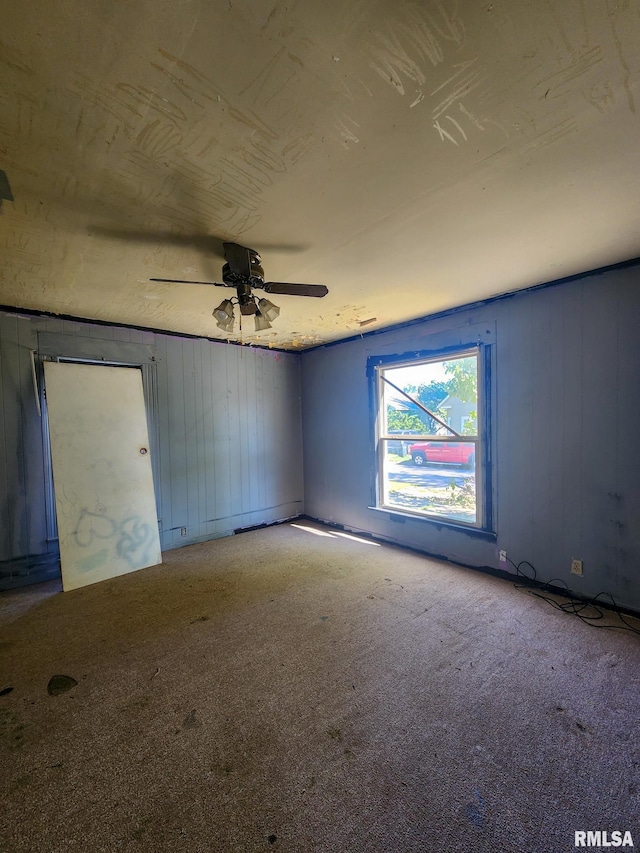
[(458, 414)]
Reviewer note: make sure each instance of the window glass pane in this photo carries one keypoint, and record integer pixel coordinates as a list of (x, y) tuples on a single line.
[(448, 388), (437, 478), (429, 448)]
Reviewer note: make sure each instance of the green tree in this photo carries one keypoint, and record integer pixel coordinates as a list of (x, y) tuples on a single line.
[(463, 383), (430, 396), (400, 421)]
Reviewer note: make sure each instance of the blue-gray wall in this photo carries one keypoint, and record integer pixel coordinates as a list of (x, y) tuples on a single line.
[(225, 432), (227, 435), (565, 413)]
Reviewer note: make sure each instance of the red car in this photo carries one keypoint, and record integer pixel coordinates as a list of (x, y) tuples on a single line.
[(455, 452)]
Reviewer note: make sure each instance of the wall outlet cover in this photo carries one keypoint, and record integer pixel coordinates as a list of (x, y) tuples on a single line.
[(576, 567)]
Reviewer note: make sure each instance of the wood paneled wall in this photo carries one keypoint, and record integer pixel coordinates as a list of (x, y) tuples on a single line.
[(565, 415), (225, 422)]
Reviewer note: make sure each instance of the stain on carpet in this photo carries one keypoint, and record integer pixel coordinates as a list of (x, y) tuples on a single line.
[(475, 810), (190, 721), (11, 729), (60, 684)]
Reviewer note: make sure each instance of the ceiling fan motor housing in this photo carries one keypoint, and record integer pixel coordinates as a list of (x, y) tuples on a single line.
[(255, 279)]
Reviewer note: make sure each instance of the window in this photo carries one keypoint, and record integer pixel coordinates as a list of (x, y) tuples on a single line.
[(429, 446)]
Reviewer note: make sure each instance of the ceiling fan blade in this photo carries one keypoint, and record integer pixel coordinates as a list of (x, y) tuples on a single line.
[(185, 281), (291, 289), (238, 258)]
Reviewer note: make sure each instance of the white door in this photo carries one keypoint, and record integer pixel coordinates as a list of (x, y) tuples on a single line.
[(105, 504)]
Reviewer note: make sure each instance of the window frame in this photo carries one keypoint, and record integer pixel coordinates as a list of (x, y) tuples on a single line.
[(483, 474)]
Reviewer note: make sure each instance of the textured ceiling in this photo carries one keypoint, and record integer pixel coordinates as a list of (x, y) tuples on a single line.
[(412, 156)]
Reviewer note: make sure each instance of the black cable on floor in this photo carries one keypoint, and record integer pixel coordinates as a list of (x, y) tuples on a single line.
[(574, 606)]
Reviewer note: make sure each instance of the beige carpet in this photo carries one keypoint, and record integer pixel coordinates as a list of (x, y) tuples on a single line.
[(288, 691)]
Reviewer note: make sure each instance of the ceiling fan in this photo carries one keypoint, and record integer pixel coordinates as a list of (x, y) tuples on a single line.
[(243, 271)]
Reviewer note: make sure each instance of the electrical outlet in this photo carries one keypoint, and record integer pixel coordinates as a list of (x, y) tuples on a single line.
[(503, 556), (183, 531), (576, 567)]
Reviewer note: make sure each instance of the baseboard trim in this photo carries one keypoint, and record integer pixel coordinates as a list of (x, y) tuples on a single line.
[(519, 580), (32, 569)]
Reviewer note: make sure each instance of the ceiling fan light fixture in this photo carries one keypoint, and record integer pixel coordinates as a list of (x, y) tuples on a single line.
[(261, 322), (224, 315), (268, 309)]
